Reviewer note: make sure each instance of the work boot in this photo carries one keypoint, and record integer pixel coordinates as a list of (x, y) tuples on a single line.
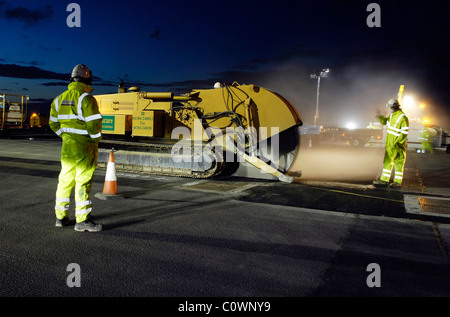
[(380, 183), (395, 186), (88, 225), (62, 222)]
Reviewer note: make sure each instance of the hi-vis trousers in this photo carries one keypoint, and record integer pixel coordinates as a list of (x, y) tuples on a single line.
[(394, 159), (78, 162)]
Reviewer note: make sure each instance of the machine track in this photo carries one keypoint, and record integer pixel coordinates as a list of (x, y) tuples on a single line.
[(156, 158)]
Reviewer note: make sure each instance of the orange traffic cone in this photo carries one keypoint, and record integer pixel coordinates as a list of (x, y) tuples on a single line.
[(110, 189)]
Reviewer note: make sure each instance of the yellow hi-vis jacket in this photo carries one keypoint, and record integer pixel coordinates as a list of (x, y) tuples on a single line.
[(395, 150), (75, 112), (397, 129)]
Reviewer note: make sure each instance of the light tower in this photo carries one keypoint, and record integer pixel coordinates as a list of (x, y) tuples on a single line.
[(319, 74)]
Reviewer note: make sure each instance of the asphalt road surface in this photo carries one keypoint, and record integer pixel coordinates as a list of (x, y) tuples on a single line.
[(328, 234)]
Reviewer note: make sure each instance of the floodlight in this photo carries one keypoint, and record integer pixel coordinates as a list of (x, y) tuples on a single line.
[(319, 74)]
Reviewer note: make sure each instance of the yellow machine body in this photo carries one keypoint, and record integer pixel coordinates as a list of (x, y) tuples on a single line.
[(204, 115), (154, 115)]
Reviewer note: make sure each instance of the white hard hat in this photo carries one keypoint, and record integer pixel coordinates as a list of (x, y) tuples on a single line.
[(81, 73), (392, 103)]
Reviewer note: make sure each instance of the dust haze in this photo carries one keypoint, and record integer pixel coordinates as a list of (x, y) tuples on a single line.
[(332, 163), (351, 94), (354, 93)]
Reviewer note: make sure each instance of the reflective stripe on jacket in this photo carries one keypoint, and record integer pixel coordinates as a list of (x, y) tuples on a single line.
[(75, 111)]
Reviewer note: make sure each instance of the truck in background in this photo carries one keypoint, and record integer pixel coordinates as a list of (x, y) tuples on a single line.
[(14, 117), (314, 135), (13, 111)]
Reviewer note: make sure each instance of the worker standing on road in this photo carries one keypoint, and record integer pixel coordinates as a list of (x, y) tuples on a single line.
[(74, 116), (395, 153), (425, 135)]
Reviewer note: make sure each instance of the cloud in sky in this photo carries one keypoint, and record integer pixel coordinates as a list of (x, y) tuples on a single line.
[(29, 72), (30, 17)]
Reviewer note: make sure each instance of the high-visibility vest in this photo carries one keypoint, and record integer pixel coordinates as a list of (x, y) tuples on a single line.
[(76, 112), (397, 125)]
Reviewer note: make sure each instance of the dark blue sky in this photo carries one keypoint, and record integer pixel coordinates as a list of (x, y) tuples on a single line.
[(181, 45)]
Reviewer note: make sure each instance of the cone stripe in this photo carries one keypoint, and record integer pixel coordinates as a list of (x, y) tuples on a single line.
[(110, 186), (111, 172)]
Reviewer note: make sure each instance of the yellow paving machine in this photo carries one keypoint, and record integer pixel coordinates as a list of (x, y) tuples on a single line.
[(202, 133)]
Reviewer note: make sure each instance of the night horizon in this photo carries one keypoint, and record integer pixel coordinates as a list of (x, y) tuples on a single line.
[(179, 46)]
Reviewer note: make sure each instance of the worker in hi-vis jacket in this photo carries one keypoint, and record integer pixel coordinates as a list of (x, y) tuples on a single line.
[(395, 153), (75, 117)]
